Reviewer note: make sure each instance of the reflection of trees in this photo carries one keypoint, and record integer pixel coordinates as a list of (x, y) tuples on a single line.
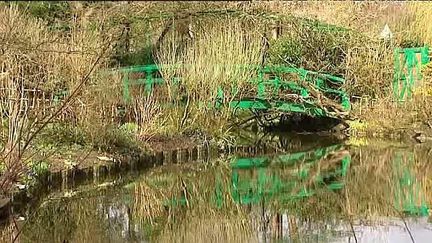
[(379, 183), (54, 223), (90, 219)]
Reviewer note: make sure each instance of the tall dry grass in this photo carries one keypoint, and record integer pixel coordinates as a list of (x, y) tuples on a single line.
[(417, 26), (212, 60)]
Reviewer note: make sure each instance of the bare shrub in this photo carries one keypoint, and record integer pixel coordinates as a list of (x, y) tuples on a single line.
[(35, 58)]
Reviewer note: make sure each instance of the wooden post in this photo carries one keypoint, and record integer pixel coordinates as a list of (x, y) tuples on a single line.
[(276, 30)]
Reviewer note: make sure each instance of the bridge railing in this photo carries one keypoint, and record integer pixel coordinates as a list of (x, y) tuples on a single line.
[(269, 83), (408, 64)]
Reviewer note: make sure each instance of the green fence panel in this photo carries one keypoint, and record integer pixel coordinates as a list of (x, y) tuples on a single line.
[(408, 64)]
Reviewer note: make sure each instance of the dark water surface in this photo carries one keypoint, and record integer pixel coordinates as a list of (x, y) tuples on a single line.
[(279, 189)]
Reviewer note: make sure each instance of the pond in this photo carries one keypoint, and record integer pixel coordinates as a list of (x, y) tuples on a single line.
[(272, 189)]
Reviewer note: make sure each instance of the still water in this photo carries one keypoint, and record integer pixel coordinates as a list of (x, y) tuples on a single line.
[(278, 189)]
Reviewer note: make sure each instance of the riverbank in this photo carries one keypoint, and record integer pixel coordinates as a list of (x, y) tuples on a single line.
[(67, 158), (409, 120), (372, 183)]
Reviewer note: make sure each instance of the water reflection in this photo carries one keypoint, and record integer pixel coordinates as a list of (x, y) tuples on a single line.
[(325, 192), (288, 176)]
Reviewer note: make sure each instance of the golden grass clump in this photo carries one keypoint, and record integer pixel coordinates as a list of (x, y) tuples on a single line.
[(420, 25), (198, 217), (221, 54), (369, 68), (213, 59)]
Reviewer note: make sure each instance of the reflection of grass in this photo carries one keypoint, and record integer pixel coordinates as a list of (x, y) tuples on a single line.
[(214, 228), (60, 220), (148, 201), (372, 185), (199, 217), (203, 218), (370, 190), (369, 186), (8, 233)]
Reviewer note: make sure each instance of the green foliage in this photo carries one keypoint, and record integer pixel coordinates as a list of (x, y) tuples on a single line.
[(39, 168), (311, 45), (286, 51), (55, 13), (114, 139), (135, 46), (129, 128), (142, 56), (62, 133)]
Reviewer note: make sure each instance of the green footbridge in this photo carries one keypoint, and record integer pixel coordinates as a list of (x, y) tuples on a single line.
[(289, 89), (276, 88)]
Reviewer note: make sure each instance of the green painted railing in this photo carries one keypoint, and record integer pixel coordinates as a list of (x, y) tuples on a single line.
[(268, 81), (408, 196), (408, 64)]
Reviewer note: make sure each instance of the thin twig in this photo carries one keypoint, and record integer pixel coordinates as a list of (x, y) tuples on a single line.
[(405, 223)]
